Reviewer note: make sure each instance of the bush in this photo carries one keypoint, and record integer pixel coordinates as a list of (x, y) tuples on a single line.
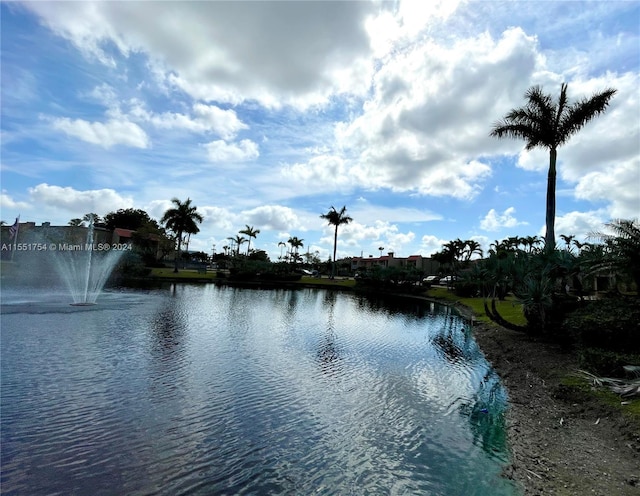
[(610, 324), (466, 289)]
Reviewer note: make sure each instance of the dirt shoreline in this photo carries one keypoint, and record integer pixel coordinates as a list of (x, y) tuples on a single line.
[(563, 441)]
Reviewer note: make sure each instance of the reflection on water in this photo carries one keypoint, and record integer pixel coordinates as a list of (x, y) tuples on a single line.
[(205, 390)]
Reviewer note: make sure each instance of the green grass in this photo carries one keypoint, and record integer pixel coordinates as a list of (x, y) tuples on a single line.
[(509, 308), (602, 394), (325, 281), (186, 274)]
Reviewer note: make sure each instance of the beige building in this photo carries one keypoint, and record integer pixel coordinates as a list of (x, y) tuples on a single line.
[(422, 264)]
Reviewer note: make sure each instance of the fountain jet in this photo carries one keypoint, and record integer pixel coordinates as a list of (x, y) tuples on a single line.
[(85, 270)]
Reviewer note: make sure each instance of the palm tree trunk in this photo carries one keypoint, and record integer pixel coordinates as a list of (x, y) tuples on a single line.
[(550, 236), (335, 247), (177, 255)]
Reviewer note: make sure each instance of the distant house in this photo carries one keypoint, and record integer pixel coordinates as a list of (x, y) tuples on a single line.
[(122, 236), (417, 262)]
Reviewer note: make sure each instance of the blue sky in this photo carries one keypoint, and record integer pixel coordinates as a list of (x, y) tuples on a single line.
[(268, 113)]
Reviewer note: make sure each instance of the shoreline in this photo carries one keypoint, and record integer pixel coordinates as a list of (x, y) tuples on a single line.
[(562, 440)]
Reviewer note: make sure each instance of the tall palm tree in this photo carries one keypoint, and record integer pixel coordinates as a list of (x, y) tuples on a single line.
[(336, 218), (251, 233), (546, 123), (181, 219)]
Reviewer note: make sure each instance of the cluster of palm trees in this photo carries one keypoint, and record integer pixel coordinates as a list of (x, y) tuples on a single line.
[(334, 217), (237, 241), (457, 253)]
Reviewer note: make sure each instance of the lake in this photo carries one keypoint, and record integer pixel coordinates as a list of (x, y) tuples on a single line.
[(201, 390)]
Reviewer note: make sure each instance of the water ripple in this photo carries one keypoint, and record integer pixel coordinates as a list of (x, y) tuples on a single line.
[(202, 390)]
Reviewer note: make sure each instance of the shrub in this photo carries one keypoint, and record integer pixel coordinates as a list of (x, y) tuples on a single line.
[(610, 324)]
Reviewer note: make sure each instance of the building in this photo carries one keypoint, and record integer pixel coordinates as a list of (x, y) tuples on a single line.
[(426, 265)]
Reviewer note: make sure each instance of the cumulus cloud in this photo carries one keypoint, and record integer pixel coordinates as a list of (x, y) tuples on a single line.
[(6, 201), (272, 52), (221, 151), (78, 202), (273, 217), (105, 134), (204, 119), (579, 224), (425, 126), (494, 221)]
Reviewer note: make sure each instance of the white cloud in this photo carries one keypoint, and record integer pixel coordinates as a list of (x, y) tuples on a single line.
[(430, 244), (6, 201), (272, 52), (494, 221), (68, 199), (426, 123), (579, 224), (221, 151), (620, 186), (272, 217), (107, 134), (205, 119)]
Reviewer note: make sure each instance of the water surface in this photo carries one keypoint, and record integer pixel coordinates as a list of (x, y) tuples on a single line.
[(206, 390)]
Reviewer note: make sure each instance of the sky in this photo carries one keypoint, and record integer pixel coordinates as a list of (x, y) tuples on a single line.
[(267, 114)]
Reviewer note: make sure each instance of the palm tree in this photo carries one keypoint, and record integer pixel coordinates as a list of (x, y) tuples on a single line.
[(238, 241), (622, 248), (251, 233), (543, 122), (567, 238), (76, 222), (295, 243), (281, 244), (471, 247), (92, 218), (181, 219), (336, 218)]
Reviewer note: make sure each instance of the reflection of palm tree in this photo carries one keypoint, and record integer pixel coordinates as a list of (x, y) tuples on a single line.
[(545, 123), (336, 218), (251, 233), (327, 352), (181, 219)]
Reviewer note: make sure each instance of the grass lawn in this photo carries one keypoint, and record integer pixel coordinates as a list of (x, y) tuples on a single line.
[(509, 308), (185, 274), (325, 281)]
